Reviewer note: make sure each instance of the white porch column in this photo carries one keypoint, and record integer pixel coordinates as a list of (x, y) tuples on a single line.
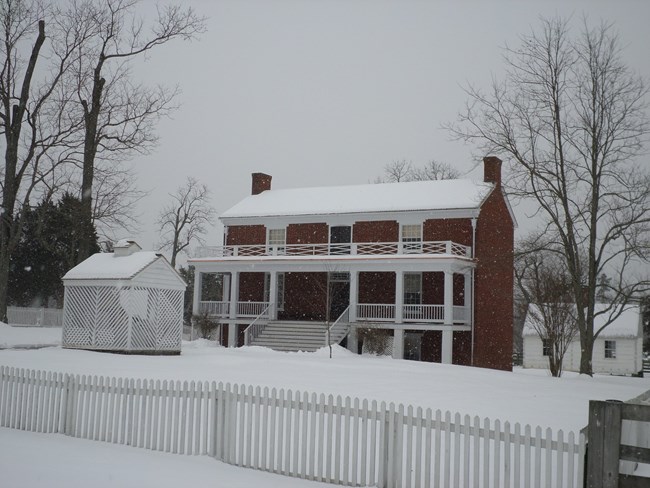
[(447, 334), (225, 287), (198, 288), (398, 344), (353, 343), (234, 298), (399, 297), (273, 295), (468, 297)]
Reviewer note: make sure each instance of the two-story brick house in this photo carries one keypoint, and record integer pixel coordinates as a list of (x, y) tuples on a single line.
[(430, 263)]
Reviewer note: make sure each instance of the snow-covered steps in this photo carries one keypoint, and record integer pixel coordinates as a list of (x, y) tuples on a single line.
[(293, 336)]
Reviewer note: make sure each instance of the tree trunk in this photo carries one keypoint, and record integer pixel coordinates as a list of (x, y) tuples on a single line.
[(586, 353), (91, 118)]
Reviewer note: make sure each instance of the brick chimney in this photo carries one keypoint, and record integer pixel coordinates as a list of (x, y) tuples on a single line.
[(261, 182), (492, 170)]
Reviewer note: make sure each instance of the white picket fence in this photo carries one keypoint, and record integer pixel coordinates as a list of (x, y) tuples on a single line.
[(43, 317), (344, 441)]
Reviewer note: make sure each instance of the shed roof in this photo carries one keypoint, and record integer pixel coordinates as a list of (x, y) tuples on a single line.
[(108, 266), (383, 197), (626, 325)]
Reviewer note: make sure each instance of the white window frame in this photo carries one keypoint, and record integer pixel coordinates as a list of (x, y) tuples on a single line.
[(610, 349), (411, 244), (546, 347), (274, 244)]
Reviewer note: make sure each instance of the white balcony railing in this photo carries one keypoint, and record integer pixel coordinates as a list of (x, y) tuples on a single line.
[(355, 249)]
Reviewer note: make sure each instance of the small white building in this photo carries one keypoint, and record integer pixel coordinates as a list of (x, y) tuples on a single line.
[(618, 349), (127, 301)]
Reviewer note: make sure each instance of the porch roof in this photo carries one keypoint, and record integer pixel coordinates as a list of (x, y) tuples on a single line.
[(369, 198)]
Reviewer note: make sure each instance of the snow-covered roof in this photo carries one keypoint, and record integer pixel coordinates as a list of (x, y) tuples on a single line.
[(625, 325), (383, 197), (108, 266)]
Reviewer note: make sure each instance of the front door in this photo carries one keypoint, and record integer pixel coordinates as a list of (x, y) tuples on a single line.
[(338, 294)]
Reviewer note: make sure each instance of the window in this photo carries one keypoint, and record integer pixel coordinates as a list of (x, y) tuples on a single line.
[(276, 241), (340, 239), (412, 238), (546, 347), (412, 288), (610, 349)]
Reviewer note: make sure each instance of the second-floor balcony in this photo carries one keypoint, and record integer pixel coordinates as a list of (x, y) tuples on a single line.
[(448, 248)]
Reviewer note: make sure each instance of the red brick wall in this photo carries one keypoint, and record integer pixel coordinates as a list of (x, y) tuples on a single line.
[(462, 348), (304, 296), (239, 235), (457, 230), (494, 285), (433, 288), (251, 287), (317, 233), (376, 231), (431, 346), (376, 287)]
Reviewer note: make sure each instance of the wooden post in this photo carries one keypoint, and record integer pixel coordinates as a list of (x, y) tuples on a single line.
[(604, 443)]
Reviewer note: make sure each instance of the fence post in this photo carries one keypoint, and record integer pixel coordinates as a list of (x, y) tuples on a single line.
[(604, 434)]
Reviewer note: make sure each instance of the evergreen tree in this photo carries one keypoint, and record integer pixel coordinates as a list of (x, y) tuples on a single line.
[(49, 247)]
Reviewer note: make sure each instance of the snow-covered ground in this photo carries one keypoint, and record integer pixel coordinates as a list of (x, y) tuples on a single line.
[(524, 396), (19, 337), (33, 460)]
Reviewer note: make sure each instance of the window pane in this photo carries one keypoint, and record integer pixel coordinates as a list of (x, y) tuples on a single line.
[(277, 237), (411, 233), (610, 349)]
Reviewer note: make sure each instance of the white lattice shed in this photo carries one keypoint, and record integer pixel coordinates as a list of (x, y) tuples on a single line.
[(126, 301)]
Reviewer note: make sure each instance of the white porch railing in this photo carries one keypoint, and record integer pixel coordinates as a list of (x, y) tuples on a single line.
[(325, 249), (222, 309), (339, 329), (252, 309), (424, 313), (219, 309), (376, 311), (41, 317), (257, 326)]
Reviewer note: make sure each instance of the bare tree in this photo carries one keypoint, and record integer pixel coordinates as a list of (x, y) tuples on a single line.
[(572, 119), (34, 117), (119, 117), (542, 280), (403, 170), (186, 218)]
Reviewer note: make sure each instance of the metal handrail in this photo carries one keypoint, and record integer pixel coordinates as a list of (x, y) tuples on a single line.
[(255, 329), (339, 327)]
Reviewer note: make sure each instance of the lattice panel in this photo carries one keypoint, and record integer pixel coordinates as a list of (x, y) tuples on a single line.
[(161, 329), (79, 316), (124, 318), (111, 325)]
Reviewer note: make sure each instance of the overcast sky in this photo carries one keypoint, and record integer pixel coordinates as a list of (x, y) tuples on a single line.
[(327, 92)]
